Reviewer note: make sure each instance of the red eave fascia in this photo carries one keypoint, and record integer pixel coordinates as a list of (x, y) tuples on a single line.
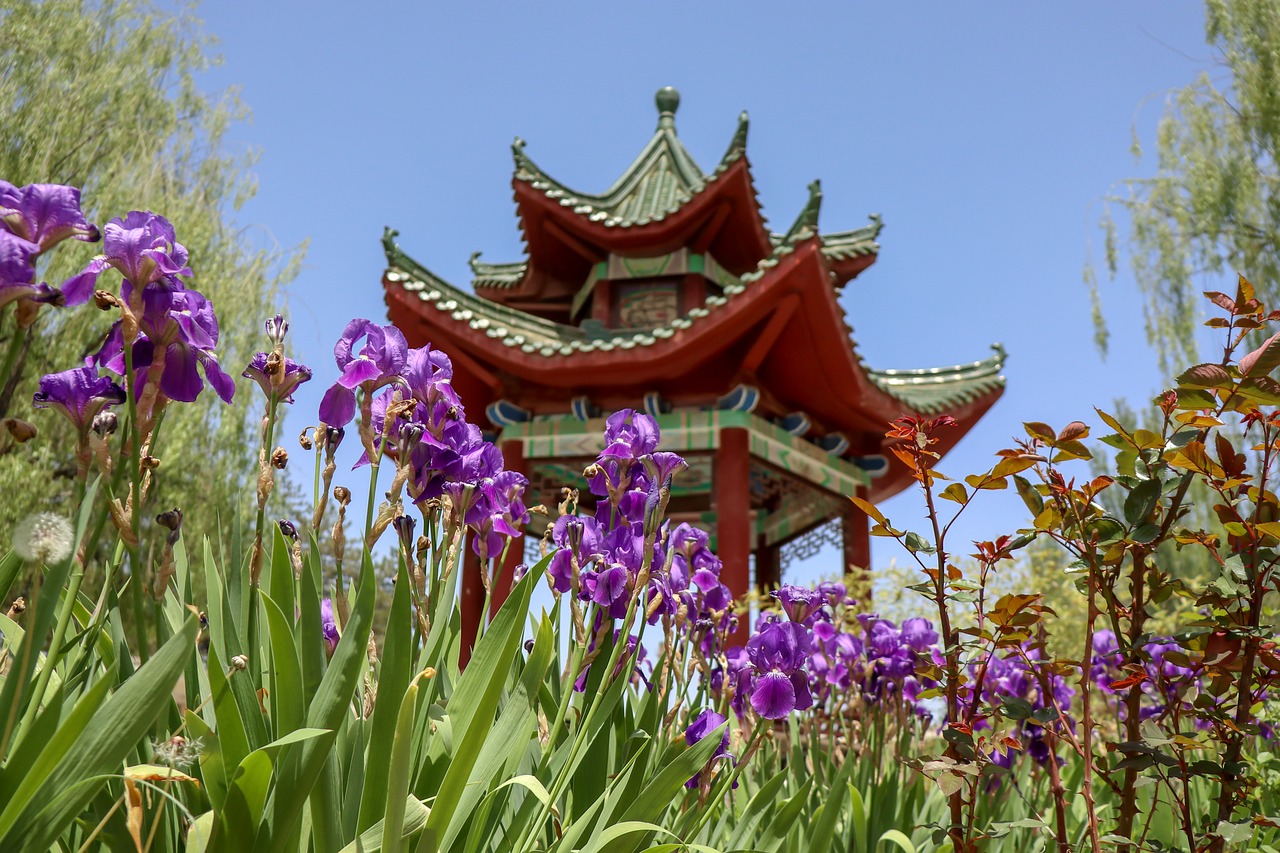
[(667, 234)]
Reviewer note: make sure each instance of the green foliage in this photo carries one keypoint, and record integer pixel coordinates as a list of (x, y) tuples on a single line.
[(103, 96), (1213, 204)]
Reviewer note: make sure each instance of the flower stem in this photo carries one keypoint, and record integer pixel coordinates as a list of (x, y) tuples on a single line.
[(9, 372), (65, 611)]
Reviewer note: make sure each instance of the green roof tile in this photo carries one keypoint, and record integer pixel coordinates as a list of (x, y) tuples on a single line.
[(934, 390), (661, 180), (496, 275), (851, 244), (928, 390)]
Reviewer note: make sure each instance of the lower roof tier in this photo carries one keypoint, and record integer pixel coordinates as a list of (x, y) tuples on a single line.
[(777, 339)]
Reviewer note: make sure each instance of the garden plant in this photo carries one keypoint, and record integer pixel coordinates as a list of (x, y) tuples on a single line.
[(163, 688)]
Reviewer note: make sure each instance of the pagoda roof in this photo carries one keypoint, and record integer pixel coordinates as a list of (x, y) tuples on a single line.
[(924, 391), (771, 317), (933, 390), (503, 276), (661, 180)]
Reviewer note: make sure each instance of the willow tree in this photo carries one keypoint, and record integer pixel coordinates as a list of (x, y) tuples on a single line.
[(102, 94), (1213, 206)]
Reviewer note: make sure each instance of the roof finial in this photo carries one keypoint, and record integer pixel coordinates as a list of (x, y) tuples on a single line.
[(668, 101)]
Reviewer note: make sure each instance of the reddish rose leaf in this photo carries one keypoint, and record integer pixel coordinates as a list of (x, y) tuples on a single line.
[(1128, 682), (1264, 359), (1073, 431), (1205, 376), (1036, 429), (1223, 301)]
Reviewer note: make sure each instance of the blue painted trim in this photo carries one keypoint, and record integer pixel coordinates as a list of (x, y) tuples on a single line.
[(502, 413), (743, 398), (654, 405), (796, 423), (834, 443), (877, 464)]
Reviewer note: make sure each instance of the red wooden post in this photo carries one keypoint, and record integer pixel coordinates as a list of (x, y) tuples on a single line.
[(513, 460), (731, 480), (472, 601), (856, 528)]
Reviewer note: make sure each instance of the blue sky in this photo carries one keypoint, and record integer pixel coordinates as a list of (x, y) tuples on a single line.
[(987, 135)]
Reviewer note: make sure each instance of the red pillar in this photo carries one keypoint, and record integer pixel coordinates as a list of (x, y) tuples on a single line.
[(731, 480), (513, 460), (472, 601), (857, 541)]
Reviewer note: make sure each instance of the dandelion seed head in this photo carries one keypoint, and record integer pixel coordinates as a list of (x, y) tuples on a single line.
[(177, 751), (44, 537)]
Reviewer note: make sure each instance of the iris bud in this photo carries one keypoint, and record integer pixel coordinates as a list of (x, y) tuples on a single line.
[(104, 423)]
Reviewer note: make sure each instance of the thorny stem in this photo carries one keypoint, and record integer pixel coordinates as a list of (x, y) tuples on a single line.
[(1087, 724), (951, 645)]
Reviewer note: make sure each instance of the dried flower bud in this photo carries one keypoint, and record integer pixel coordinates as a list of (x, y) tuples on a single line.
[(279, 458), (105, 300), (305, 440), (150, 463), (342, 495), (18, 607), (275, 365), (591, 471), (105, 423), (239, 663), (171, 520), (404, 525), (288, 528), (20, 430)]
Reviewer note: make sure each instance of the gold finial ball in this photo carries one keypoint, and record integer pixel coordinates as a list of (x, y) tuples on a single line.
[(667, 99)]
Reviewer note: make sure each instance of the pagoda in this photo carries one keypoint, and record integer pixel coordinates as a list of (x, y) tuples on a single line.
[(668, 293)]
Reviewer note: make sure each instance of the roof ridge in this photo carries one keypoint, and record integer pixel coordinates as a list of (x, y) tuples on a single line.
[(806, 223), (661, 179)]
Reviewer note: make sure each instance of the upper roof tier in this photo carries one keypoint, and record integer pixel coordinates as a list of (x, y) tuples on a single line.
[(662, 203), (661, 180)]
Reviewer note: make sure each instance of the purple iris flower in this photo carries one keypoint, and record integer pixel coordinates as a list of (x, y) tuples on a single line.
[(629, 434), (663, 465), (424, 370), (574, 536), (704, 724), (918, 633), (179, 330), (833, 591), (778, 654), (799, 602), (142, 247), (377, 362), (487, 516), (45, 214), (79, 394), (328, 625), (17, 271), (294, 375)]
